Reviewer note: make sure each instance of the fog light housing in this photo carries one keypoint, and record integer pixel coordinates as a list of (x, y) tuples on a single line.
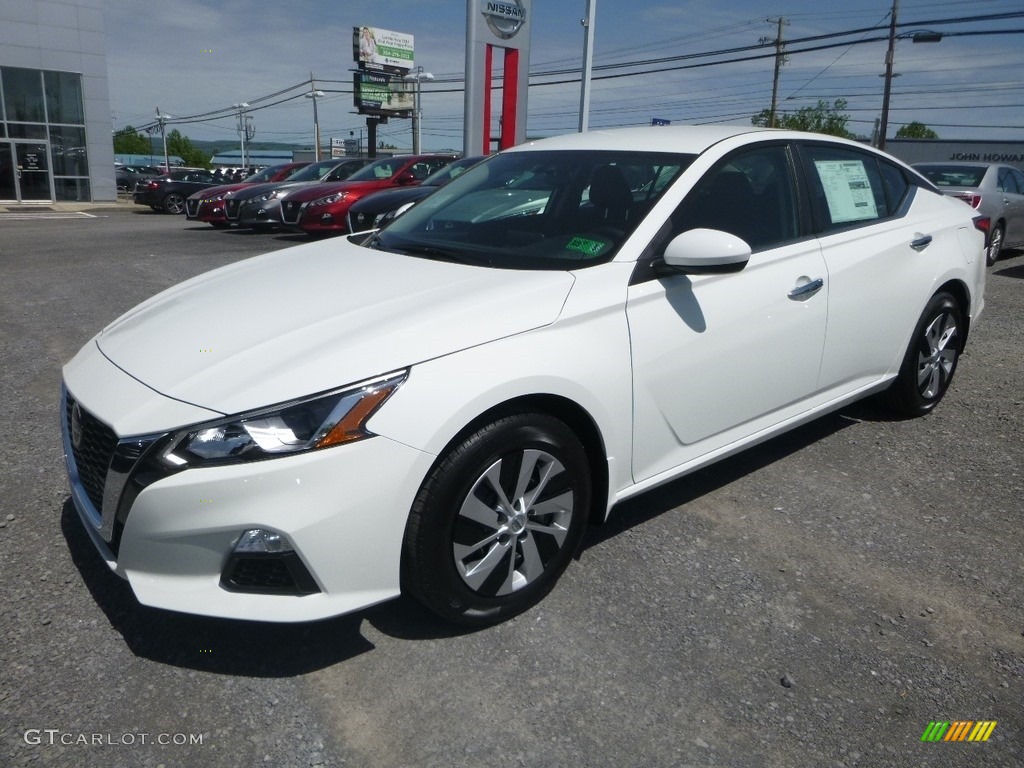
[(262, 541), (265, 562)]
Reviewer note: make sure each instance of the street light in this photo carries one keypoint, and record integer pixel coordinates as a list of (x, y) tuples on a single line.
[(314, 95), (917, 37), (417, 108)]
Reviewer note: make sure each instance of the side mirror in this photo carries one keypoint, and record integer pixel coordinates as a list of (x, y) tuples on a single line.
[(705, 252), (406, 178)]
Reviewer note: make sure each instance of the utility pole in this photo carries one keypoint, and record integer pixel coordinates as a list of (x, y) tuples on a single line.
[(588, 58), (162, 119), (887, 92), (779, 61)]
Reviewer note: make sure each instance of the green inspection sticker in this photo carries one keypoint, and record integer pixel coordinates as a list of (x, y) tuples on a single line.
[(581, 244)]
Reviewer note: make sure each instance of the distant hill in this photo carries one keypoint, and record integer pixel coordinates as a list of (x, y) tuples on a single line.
[(216, 147)]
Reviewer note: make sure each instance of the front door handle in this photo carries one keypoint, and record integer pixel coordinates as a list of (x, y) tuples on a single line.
[(921, 242), (806, 290)]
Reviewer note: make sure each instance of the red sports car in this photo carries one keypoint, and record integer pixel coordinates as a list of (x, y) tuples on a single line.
[(208, 204), (323, 209)]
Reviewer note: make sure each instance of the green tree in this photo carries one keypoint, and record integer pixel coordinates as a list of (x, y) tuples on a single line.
[(129, 141), (182, 147), (916, 130), (823, 117)]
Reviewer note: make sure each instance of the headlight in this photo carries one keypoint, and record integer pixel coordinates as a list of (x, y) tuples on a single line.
[(215, 198), (262, 198), (303, 425), (328, 199), (387, 216)]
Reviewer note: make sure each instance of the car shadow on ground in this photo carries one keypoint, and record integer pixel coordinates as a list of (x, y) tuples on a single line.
[(1016, 271), (650, 504)]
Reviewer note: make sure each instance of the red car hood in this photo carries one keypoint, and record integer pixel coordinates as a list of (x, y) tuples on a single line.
[(320, 190)]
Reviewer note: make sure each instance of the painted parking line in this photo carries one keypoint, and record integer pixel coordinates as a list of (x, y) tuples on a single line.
[(37, 216)]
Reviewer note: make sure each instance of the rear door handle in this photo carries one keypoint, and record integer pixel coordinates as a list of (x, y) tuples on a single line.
[(921, 243), (806, 290)]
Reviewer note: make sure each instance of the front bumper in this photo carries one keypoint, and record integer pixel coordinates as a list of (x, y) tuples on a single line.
[(171, 533)]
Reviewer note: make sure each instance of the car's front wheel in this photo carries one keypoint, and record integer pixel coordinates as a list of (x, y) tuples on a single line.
[(931, 359), (498, 520)]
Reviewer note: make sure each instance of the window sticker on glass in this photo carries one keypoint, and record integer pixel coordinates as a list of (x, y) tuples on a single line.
[(583, 245), (847, 190)]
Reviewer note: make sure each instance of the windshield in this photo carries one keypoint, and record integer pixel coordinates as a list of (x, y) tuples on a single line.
[(313, 171), (559, 209), (267, 174), (450, 171), (382, 169)]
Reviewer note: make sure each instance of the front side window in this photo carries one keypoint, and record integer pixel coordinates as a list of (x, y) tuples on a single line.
[(536, 210), (1019, 177), (749, 194), (1007, 182)]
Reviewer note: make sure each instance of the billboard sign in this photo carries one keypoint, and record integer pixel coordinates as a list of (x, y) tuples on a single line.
[(382, 93), (382, 50)]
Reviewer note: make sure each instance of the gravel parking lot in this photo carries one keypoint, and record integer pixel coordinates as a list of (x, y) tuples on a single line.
[(817, 601)]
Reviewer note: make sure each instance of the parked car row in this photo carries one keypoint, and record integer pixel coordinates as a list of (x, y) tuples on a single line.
[(315, 199)]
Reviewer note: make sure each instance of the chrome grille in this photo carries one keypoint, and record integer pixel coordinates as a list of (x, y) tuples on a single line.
[(231, 208), (191, 207), (93, 453)]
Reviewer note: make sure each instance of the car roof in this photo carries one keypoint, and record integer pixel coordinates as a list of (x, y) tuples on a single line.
[(684, 139), (964, 163)]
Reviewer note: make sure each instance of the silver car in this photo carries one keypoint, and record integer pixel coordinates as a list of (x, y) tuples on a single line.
[(997, 191)]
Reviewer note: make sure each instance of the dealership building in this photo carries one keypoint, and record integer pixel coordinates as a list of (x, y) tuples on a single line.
[(55, 126)]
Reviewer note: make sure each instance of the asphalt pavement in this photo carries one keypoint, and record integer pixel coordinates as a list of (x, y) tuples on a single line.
[(816, 601)]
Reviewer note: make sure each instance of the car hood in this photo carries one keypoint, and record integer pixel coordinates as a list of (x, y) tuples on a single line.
[(315, 317), (220, 189), (252, 190), (386, 199)]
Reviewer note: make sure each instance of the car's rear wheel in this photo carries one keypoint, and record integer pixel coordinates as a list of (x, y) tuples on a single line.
[(995, 245), (174, 203), (498, 520), (931, 359)]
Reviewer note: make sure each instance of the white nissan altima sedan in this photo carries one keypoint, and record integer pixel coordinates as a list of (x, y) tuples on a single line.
[(443, 407)]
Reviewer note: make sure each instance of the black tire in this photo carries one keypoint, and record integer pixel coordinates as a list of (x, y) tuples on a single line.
[(931, 359), (498, 520), (995, 245), (174, 203)]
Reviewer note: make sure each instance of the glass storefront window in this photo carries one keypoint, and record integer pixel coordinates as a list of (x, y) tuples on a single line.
[(76, 190), (67, 148), (24, 131), (45, 107), (23, 95), (64, 97)]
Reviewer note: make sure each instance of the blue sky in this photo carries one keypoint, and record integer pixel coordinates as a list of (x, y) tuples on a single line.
[(195, 56)]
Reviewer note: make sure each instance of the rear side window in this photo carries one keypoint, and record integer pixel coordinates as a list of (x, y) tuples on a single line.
[(896, 184), (846, 187)]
